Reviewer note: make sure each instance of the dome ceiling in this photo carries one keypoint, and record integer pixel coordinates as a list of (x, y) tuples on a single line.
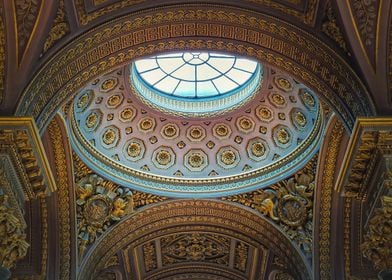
[(126, 139)]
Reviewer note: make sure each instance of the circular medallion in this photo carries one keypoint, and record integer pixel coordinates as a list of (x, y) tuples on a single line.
[(292, 210), (97, 209)]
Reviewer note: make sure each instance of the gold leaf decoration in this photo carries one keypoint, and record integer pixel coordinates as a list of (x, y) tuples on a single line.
[(59, 29)]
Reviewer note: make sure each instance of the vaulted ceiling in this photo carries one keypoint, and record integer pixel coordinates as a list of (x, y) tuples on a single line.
[(326, 64)]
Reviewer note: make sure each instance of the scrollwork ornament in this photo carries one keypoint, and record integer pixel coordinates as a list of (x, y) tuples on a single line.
[(13, 245), (289, 204), (99, 205), (377, 241)]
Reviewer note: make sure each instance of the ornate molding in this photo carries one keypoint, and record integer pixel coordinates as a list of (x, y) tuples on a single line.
[(364, 16), (328, 175), (377, 241), (123, 40), (85, 17), (26, 13), (288, 204), (100, 204), (331, 28), (2, 53), (13, 245), (20, 141), (370, 141), (217, 217), (61, 170), (59, 29)]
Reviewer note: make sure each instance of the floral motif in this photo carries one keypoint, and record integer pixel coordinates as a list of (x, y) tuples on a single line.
[(170, 131), (283, 84), (146, 124), (109, 84)]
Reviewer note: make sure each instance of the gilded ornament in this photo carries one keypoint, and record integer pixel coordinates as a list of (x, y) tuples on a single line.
[(196, 160), (283, 84), (292, 210), (283, 136), (127, 114), (245, 124), (110, 117), (170, 131), (99, 205), (13, 245), (2, 55), (263, 129), (241, 256), (59, 29), (196, 133), (128, 130), (84, 100), (163, 157), (282, 116), (299, 119), (277, 99), (109, 136), (153, 139), (292, 99), (92, 120), (377, 240), (331, 28), (135, 149), (228, 157), (195, 247), (114, 100), (221, 131), (149, 256), (258, 149), (26, 15), (288, 204), (210, 145), (109, 84), (264, 113), (238, 139), (146, 124), (181, 145), (307, 98)]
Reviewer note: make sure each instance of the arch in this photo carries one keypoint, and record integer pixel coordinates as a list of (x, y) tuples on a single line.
[(194, 216), (201, 27)]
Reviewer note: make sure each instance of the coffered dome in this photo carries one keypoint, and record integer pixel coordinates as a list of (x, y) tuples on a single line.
[(132, 131)]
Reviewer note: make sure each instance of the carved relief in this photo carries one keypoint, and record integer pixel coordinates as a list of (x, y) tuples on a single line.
[(328, 176), (13, 245), (331, 28), (2, 54), (64, 188), (365, 13), (289, 204), (377, 241), (365, 17), (195, 247), (26, 17), (149, 256), (241, 256), (99, 204), (59, 29)]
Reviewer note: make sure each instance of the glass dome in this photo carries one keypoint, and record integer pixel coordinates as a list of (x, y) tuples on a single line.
[(195, 83)]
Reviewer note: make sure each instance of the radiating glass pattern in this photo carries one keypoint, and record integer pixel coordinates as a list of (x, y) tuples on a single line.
[(195, 75)]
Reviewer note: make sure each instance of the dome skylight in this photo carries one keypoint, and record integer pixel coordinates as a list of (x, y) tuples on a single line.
[(195, 83)]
